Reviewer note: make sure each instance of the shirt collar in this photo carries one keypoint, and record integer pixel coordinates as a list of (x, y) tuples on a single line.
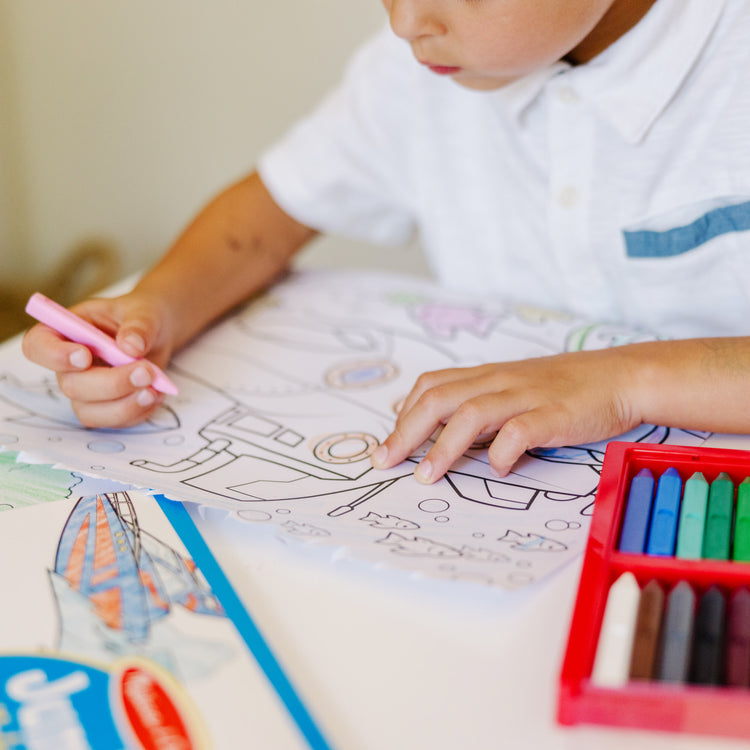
[(632, 81)]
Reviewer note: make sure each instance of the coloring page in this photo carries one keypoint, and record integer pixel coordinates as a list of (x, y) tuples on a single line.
[(282, 403)]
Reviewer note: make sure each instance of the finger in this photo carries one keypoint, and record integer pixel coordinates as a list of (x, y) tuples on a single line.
[(536, 428), (414, 426), (132, 323), (475, 417), (124, 412), (106, 384), (435, 379), (46, 347)]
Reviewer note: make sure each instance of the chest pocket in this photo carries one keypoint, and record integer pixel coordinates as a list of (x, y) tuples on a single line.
[(647, 242), (688, 268)]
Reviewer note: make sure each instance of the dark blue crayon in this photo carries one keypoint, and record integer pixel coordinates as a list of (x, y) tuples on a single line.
[(662, 532), (707, 667), (637, 513)]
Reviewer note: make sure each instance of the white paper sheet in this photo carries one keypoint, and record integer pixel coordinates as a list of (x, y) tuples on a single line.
[(281, 404)]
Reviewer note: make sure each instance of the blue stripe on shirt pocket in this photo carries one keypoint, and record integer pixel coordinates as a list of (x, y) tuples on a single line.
[(645, 243)]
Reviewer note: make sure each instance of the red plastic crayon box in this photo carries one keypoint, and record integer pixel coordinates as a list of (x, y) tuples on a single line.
[(649, 704)]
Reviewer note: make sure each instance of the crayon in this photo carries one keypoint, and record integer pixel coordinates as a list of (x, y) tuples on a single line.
[(673, 661), (637, 513), (612, 660), (692, 518), (647, 628), (741, 548), (81, 331), (718, 534), (663, 529), (707, 667), (738, 639)]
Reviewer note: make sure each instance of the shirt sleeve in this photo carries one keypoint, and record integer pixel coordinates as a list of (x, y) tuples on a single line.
[(344, 169)]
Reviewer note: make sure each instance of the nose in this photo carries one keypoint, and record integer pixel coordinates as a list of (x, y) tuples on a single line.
[(411, 19)]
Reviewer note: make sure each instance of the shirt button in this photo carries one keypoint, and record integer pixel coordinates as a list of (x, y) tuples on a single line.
[(568, 196), (568, 95)]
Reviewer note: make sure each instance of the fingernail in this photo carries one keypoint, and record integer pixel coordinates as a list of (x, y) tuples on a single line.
[(145, 398), (423, 472), (141, 377), (135, 342), (79, 359), (379, 455)]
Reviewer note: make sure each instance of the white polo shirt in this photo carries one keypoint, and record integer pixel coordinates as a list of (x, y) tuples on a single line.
[(619, 189)]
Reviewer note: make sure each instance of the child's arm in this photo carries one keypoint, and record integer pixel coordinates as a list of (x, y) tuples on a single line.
[(573, 398), (237, 245)]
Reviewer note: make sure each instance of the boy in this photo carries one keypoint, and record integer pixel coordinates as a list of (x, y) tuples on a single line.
[(594, 157)]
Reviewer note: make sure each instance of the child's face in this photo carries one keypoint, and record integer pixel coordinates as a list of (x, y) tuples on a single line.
[(484, 44)]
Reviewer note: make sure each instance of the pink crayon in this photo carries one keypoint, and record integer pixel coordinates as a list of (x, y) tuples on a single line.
[(77, 329)]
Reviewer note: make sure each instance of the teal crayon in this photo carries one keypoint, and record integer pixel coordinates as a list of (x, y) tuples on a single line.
[(637, 513), (741, 547), (675, 648), (662, 533), (718, 534), (707, 665), (737, 658), (692, 521)]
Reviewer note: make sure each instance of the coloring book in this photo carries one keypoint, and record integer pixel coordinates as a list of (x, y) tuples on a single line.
[(282, 402), (112, 637)]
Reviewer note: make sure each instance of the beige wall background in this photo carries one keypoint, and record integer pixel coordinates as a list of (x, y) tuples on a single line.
[(120, 118)]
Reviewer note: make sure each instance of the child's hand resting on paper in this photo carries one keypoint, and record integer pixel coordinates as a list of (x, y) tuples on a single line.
[(569, 399), (104, 396), (549, 401)]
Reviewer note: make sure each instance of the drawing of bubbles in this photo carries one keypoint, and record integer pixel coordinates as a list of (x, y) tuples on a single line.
[(478, 535), (434, 505), (254, 516), (283, 511), (106, 446), (442, 519), (560, 524)]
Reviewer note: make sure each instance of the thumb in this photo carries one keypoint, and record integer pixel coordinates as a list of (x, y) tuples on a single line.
[(139, 330), (133, 341)]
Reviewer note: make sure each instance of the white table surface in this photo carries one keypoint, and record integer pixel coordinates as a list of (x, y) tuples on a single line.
[(386, 662)]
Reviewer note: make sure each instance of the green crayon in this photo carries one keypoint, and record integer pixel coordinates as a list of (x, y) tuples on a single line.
[(741, 551), (692, 518), (718, 534)]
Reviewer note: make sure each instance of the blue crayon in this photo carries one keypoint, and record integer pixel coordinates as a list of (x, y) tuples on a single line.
[(662, 532), (637, 513)]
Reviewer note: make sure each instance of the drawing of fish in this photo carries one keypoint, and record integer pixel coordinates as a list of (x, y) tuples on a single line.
[(531, 542), (481, 554), (389, 522), (304, 529), (418, 546)]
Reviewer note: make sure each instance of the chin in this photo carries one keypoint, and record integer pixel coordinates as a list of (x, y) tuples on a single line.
[(482, 84)]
